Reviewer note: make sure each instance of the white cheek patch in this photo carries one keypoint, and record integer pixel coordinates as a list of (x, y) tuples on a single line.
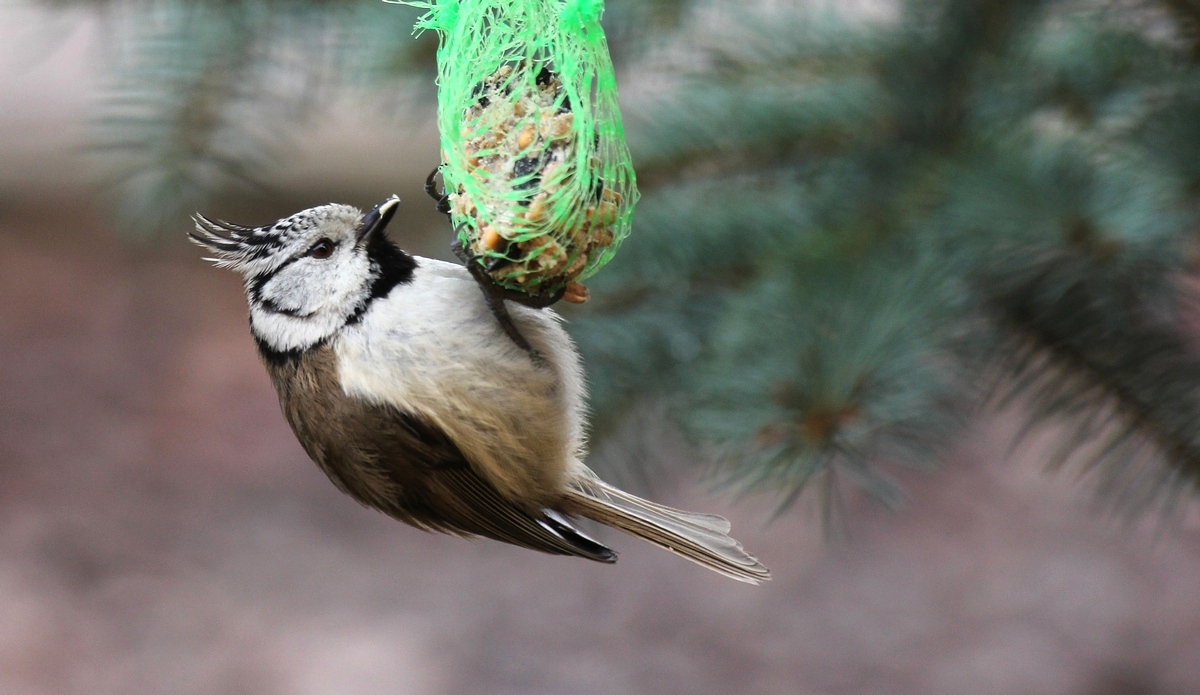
[(283, 333), (297, 288), (308, 300)]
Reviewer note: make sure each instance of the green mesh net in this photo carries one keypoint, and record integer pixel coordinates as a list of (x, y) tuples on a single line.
[(534, 157)]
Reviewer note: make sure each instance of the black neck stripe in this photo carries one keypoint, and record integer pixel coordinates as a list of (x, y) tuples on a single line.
[(281, 358), (393, 267)]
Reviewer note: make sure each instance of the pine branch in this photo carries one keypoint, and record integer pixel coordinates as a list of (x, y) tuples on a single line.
[(1084, 347), (829, 371), (935, 72), (168, 128), (205, 96), (702, 236), (754, 124)]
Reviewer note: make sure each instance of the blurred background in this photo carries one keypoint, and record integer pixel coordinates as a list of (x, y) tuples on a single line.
[(915, 276)]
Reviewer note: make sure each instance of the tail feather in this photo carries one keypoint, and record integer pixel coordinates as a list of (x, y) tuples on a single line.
[(701, 538)]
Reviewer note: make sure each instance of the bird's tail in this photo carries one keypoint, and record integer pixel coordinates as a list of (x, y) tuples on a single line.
[(701, 538)]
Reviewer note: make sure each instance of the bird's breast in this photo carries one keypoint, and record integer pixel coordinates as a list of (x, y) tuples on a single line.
[(341, 434), (433, 349)]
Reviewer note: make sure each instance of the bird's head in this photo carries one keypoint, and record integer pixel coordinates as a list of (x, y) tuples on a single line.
[(309, 274)]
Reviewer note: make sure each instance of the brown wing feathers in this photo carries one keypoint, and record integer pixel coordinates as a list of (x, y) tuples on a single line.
[(408, 468), (435, 488), (469, 504)]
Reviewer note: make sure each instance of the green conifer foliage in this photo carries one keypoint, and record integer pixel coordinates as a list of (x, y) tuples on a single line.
[(200, 96), (858, 231)]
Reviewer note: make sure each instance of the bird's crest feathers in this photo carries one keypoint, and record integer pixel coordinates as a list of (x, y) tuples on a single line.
[(254, 250)]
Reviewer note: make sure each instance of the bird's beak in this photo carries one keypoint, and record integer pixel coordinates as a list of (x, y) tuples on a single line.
[(374, 221)]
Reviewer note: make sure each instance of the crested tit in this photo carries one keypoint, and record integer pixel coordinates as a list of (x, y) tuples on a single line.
[(403, 387)]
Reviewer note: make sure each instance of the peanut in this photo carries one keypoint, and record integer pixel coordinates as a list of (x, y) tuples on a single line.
[(537, 208), (551, 259), (492, 240), (601, 237), (525, 138), (560, 127), (575, 293), (606, 214)]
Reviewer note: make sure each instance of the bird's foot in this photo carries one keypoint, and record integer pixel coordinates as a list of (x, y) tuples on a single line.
[(494, 296), (443, 200)]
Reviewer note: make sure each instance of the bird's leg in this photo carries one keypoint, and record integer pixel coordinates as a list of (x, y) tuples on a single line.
[(494, 296), (534, 301), (460, 252)]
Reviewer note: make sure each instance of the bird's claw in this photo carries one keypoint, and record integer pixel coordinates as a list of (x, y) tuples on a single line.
[(443, 200), (495, 295)]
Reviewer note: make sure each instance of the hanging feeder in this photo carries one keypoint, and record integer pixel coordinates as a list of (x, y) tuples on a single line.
[(538, 176)]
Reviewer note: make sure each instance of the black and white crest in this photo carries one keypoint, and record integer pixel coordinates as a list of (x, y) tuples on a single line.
[(308, 275), (254, 250)]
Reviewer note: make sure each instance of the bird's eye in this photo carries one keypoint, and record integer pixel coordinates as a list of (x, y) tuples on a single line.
[(322, 249)]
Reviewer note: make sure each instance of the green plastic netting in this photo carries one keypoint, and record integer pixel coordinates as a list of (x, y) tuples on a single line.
[(534, 158)]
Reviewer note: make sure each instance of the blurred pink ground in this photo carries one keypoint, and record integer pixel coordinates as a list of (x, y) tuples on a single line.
[(162, 532)]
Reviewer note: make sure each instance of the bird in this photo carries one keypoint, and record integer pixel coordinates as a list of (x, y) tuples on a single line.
[(399, 382)]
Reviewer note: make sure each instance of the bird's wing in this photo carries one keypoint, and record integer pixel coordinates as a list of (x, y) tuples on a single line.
[(439, 490), (409, 468)]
